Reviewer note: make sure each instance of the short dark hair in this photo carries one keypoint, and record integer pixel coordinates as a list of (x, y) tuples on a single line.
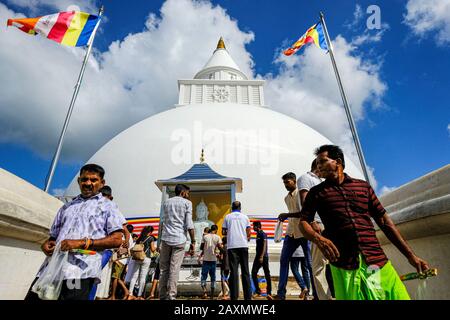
[(257, 224), (334, 152), (181, 187), (214, 228), (313, 165), (106, 191), (130, 228), (92, 167), (236, 205), (289, 176)]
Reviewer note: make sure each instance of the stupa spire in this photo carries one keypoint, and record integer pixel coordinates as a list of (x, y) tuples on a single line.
[(221, 44), (202, 157)]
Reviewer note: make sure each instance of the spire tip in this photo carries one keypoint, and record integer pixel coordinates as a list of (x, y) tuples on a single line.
[(221, 44), (202, 157)]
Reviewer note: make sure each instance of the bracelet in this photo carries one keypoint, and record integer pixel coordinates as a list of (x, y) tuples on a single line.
[(92, 244), (87, 243)]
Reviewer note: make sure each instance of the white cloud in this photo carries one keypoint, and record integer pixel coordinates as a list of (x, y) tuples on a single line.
[(358, 15), (385, 190), (58, 192), (306, 89), (137, 77), (448, 129), (59, 5), (370, 36), (425, 18)]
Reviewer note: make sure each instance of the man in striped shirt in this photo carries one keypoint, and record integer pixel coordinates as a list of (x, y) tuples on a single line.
[(176, 222), (360, 269)]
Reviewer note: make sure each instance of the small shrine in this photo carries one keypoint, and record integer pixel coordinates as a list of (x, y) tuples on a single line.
[(211, 195)]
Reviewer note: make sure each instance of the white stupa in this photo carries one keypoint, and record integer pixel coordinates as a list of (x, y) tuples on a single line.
[(224, 113)]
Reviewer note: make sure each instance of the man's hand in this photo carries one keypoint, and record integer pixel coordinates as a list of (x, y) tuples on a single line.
[(283, 216), (261, 259), (67, 245), (327, 247), (48, 247), (419, 264)]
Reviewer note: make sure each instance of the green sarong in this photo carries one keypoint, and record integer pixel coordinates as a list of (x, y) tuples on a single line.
[(368, 283)]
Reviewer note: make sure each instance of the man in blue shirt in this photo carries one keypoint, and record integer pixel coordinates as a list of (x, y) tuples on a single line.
[(261, 260), (90, 222)]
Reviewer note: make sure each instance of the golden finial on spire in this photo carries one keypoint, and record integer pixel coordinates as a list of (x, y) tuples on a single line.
[(221, 44), (202, 157)]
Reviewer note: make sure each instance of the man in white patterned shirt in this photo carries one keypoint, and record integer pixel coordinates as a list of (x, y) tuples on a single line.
[(90, 221), (318, 262), (175, 223)]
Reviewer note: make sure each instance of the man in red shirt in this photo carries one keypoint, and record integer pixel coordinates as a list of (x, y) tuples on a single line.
[(360, 269)]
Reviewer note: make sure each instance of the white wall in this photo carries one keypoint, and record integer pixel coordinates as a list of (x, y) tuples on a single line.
[(20, 261), (421, 211), (26, 214), (434, 250)]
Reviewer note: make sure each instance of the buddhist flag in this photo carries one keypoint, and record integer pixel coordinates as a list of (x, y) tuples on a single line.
[(72, 28), (313, 35)]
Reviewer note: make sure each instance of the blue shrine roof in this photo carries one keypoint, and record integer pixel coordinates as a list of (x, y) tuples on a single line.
[(200, 173)]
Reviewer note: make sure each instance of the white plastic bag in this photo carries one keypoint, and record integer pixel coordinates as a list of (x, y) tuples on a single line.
[(49, 284), (278, 234)]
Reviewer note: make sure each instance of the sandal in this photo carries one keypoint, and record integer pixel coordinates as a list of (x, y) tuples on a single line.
[(303, 294)]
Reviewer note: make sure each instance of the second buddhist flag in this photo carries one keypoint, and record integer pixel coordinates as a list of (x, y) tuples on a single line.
[(314, 35)]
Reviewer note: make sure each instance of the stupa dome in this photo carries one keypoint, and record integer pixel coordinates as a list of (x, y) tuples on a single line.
[(241, 138)]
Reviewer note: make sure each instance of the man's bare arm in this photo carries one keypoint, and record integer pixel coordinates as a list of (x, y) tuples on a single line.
[(393, 234), (114, 240), (284, 216), (127, 235), (263, 250), (192, 234), (325, 245), (303, 194)]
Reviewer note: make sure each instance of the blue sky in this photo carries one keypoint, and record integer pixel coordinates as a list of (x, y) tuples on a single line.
[(402, 108)]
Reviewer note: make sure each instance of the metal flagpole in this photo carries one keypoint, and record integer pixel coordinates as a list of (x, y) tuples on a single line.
[(344, 99), (51, 172)]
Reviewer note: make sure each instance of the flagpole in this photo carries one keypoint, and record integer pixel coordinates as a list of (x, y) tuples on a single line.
[(51, 172), (344, 100)]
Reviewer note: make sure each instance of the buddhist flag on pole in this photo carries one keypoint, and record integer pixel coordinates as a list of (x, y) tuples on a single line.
[(313, 35), (72, 28)]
